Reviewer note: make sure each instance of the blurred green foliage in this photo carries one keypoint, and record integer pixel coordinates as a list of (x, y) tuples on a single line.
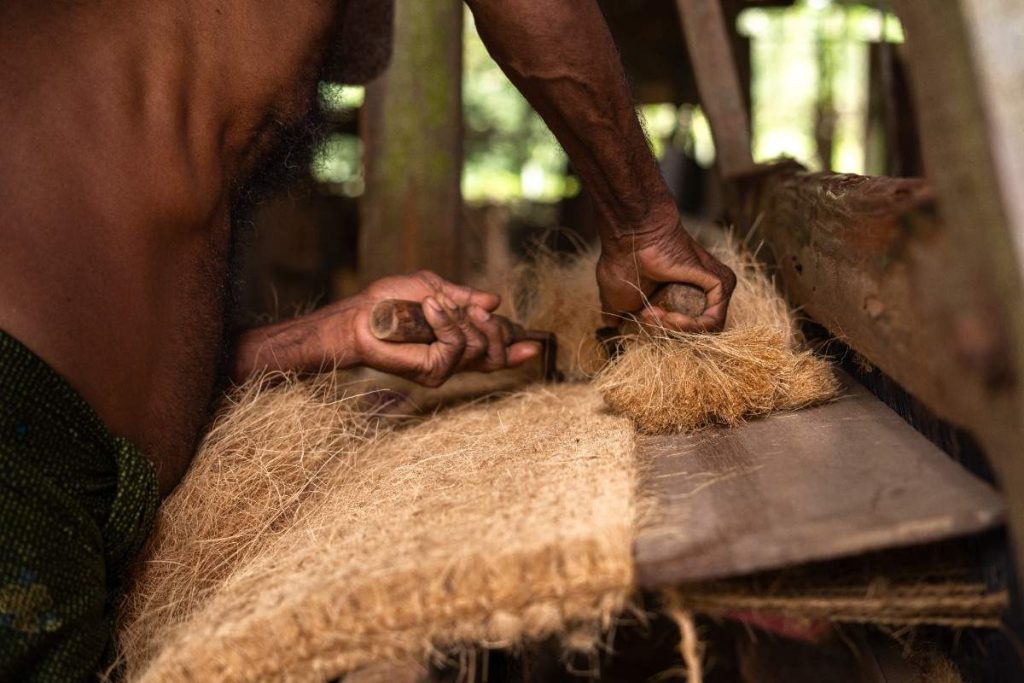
[(338, 163), (509, 152), (810, 70)]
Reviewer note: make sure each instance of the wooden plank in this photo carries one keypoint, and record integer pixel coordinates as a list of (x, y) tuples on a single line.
[(412, 127), (718, 82), (996, 33), (836, 480), (392, 672)]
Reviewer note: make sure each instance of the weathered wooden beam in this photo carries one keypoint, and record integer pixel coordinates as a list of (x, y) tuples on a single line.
[(853, 252), (967, 74), (996, 34), (412, 127), (718, 82)]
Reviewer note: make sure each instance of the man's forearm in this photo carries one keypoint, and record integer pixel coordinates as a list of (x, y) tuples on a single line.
[(297, 345), (560, 54)]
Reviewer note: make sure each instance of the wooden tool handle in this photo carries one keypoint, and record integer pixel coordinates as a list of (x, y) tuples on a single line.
[(397, 320), (400, 321), (680, 298)]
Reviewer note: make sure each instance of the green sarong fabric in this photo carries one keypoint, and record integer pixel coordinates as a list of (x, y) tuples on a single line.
[(76, 505)]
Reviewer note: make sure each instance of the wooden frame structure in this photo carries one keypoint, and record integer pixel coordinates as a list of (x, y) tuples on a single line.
[(924, 278)]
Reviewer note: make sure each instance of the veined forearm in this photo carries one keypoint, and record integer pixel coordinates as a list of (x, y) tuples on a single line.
[(560, 54), (306, 344)]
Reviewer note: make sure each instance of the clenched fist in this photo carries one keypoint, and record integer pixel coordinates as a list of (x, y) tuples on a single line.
[(633, 266)]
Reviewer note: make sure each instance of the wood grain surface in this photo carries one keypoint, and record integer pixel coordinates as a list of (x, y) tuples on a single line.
[(826, 482)]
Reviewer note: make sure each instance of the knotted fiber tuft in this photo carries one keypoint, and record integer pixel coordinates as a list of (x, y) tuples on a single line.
[(669, 382)]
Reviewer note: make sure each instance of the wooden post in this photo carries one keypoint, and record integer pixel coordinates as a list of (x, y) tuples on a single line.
[(718, 82), (967, 68), (412, 134)]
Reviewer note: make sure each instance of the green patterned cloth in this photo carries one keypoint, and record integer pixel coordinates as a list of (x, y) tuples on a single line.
[(76, 505)]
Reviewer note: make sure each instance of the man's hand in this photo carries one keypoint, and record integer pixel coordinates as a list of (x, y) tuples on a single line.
[(634, 265), (468, 336), (561, 55)]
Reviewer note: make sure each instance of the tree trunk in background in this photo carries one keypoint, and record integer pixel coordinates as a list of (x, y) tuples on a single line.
[(412, 134)]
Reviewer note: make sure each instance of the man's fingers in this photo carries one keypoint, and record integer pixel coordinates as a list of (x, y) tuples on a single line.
[(711, 320), (444, 355), (682, 323), (714, 315), (614, 315), (496, 357), (659, 320), (464, 297), (461, 295), (718, 296), (476, 341), (651, 315), (520, 352), (620, 291), (674, 258), (628, 297)]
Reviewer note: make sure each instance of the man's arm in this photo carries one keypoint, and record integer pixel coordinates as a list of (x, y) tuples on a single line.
[(561, 56)]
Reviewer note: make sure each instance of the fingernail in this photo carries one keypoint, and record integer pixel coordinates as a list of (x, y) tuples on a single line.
[(445, 301), (479, 314), (533, 349), (432, 303)]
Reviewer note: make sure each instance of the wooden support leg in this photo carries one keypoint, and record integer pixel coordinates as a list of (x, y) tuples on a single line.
[(967, 68), (707, 39), (413, 146)]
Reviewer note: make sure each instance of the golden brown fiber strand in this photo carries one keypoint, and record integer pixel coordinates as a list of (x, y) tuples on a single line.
[(488, 524), (689, 641), (271, 446), (560, 294)]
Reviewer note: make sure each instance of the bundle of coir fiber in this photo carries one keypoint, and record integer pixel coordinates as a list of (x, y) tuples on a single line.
[(668, 382), (314, 536)]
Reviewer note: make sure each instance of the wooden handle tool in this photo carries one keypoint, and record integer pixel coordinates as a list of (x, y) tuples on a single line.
[(680, 298), (397, 320), (401, 321)]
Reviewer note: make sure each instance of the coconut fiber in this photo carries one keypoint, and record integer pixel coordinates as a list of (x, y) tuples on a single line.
[(327, 525), (672, 383)]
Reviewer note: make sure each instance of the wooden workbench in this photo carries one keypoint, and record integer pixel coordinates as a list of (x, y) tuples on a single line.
[(836, 480)]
